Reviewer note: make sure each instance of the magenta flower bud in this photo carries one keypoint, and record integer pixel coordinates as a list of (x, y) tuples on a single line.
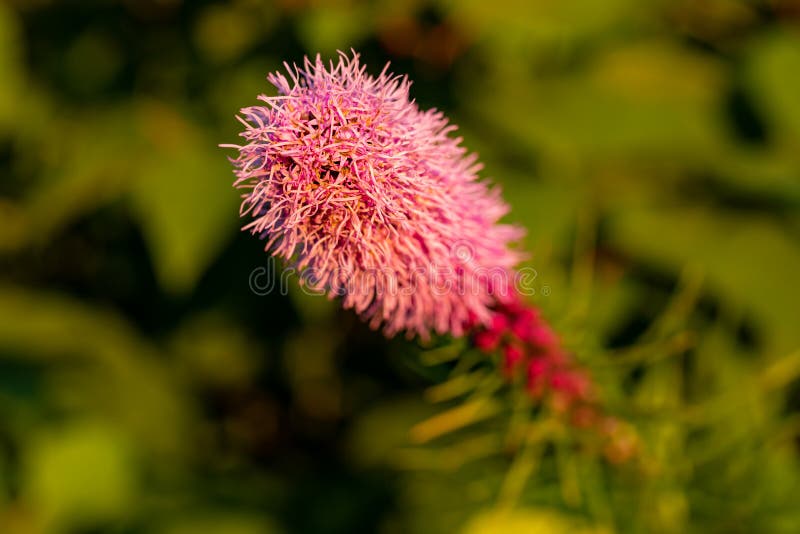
[(570, 388), (487, 340), (537, 368), (540, 335), (513, 356), (537, 372), (499, 323)]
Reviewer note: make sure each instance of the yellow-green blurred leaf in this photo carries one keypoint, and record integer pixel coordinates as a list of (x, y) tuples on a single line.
[(92, 61), (10, 67), (527, 29), (125, 379), (92, 165), (223, 33), (774, 75), (209, 522), (382, 431), (183, 198), (82, 474), (212, 351), (748, 264), (526, 521), (647, 99), (334, 26)]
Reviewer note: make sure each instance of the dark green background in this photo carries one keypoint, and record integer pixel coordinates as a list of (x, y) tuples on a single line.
[(651, 148)]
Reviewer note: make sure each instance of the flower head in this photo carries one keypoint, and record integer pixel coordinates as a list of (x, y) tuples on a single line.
[(373, 199)]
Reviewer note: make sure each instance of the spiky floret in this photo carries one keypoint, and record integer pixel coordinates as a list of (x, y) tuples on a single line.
[(373, 199)]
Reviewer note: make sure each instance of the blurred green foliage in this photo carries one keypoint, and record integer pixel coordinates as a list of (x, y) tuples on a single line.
[(652, 149)]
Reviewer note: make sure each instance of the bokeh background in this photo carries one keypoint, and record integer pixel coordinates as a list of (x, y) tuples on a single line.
[(651, 148)]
